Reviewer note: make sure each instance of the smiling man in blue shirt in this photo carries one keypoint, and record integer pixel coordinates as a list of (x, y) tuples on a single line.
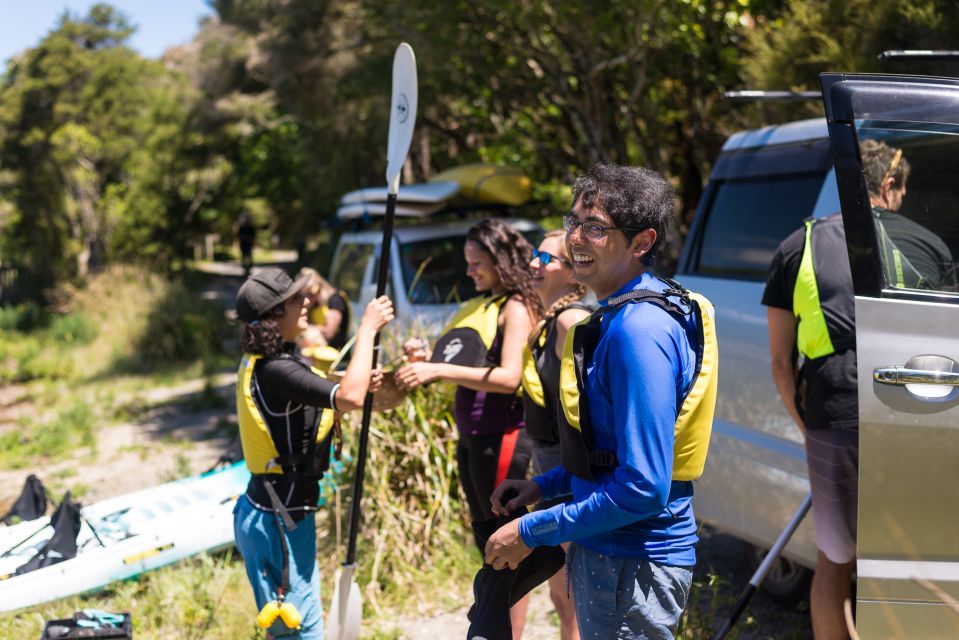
[(632, 525)]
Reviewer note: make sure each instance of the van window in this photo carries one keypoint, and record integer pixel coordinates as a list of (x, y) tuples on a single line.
[(347, 273), (434, 271), (749, 217)]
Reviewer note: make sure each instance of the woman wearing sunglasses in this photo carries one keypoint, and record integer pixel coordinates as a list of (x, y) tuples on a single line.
[(561, 296)]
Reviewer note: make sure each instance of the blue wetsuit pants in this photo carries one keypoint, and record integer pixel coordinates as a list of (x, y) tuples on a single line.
[(257, 538)]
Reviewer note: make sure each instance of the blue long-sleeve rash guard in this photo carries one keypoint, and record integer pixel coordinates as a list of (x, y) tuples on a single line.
[(641, 370)]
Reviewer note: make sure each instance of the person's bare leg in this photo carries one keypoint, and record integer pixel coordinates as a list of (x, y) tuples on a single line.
[(517, 616), (564, 606), (830, 589)]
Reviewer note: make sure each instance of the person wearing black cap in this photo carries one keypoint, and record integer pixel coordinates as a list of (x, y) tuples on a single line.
[(286, 415)]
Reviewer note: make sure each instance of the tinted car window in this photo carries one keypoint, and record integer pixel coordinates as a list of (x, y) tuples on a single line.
[(347, 273), (918, 231), (749, 217), (434, 271)]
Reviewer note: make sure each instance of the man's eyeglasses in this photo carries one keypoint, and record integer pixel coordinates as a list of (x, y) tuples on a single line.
[(545, 258), (592, 230)]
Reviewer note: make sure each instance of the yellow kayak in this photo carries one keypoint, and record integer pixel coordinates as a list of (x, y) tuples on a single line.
[(489, 184)]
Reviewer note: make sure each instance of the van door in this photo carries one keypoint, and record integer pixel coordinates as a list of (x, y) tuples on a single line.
[(884, 129)]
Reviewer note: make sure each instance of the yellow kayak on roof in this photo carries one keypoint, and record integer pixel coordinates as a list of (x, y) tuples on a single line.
[(489, 184)]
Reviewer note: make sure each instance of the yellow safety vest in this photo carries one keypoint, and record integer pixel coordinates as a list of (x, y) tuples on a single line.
[(468, 337), (259, 451), (694, 422)]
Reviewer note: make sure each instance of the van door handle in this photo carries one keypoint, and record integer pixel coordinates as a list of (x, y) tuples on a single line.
[(900, 376)]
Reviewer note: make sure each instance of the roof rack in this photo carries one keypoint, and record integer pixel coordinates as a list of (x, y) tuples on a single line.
[(920, 55), (771, 96)]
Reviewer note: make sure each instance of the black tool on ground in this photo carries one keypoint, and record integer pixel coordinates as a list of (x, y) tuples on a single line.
[(62, 545), (90, 623), (495, 591), (30, 504), (917, 56), (763, 569)]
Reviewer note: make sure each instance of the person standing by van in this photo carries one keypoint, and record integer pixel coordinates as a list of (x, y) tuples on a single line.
[(554, 281), (492, 444), (631, 517), (913, 256), (810, 308), (285, 410)]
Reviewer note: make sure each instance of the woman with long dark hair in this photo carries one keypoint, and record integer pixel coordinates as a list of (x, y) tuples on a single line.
[(492, 442), (286, 414)]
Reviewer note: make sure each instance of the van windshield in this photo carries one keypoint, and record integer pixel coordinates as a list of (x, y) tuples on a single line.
[(434, 271)]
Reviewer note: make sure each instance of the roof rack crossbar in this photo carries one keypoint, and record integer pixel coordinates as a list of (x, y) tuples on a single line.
[(922, 55), (771, 96)]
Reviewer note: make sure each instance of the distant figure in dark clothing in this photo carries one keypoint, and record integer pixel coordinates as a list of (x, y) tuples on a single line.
[(246, 234), (913, 256)]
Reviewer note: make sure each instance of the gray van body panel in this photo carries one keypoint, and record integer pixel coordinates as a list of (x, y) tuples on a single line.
[(755, 475)]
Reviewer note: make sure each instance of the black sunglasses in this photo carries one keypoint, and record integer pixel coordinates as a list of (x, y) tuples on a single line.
[(545, 258), (594, 230)]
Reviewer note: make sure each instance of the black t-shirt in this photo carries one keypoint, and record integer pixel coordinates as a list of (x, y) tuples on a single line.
[(925, 250), (337, 303), (291, 399), (831, 394)]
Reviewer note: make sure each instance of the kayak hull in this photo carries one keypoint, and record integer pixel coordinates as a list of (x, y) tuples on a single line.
[(140, 532)]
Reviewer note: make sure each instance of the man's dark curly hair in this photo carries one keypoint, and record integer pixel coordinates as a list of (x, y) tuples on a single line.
[(511, 253), (633, 197), (263, 336)]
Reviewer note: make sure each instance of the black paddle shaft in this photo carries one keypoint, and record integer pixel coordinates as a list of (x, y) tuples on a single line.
[(382, 274)]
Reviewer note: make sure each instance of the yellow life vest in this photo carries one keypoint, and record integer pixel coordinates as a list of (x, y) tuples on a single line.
[(468, 337), (530, 382), (259, 450), (694, 421)]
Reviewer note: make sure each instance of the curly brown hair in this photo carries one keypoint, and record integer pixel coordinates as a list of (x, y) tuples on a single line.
[(511, 254), (262, 337), (881, 162)]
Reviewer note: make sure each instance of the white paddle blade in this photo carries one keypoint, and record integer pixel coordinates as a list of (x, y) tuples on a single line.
[(346, 608), (402, 114)]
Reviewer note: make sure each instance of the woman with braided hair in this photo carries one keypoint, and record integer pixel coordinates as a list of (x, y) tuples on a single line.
[(493, 444), (561, 296)]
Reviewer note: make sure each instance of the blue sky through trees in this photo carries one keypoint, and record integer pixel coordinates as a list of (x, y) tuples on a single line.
[(160, 23)]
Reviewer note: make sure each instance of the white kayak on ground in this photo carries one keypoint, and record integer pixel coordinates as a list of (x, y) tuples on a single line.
[(137, 532), (420, 193)]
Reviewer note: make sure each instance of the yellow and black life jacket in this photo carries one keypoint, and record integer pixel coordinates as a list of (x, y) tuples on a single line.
[(694, 422), (818, 333), (539, 362), (259, 449), (317, 315), (468, 337)]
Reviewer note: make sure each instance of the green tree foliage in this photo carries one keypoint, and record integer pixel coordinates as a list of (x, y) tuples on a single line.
[(789, 49), (75, 113), (280, 106)]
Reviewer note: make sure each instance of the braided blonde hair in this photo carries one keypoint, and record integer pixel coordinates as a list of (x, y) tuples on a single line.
[(578, 293)]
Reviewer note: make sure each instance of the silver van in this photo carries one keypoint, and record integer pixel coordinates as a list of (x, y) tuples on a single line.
[(764, 183), (427, 275), (762, 186)]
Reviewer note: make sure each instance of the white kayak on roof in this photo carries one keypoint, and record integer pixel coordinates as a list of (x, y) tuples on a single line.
[(422, 193), (360, 210), (130, 534)]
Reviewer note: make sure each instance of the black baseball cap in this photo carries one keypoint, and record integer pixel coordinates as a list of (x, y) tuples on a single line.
[(264, 290)]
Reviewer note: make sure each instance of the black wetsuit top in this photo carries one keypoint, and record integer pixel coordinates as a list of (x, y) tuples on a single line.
[(291, 399)]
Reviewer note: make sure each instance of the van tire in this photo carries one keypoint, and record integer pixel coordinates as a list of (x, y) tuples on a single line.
[(787, 582)]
